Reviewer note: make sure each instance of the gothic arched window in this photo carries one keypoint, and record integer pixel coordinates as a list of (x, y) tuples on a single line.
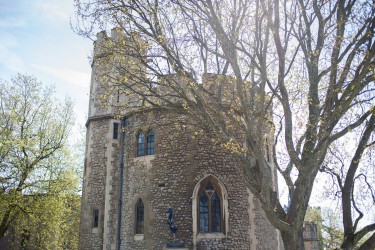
[(140, 144), (140, 217), (210, 207)]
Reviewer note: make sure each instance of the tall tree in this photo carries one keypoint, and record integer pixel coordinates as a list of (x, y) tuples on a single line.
[(313, 61), (34, 128), (353, 181)]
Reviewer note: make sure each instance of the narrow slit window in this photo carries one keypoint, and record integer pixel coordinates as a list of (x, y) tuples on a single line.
[(115, 130), (95, 221), (140, 214)]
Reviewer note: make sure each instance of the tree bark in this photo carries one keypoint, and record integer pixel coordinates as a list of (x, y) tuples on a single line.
[(293, 241), (369, 243)]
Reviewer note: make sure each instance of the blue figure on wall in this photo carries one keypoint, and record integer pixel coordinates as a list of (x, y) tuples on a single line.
[(170, 221)]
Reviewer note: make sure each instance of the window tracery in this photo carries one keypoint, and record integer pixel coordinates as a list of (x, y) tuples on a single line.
[(210, 205)]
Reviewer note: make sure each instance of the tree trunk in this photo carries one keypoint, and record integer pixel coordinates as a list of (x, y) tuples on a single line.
[(369, 243), (4, 225), (293, 241), (348, 242)]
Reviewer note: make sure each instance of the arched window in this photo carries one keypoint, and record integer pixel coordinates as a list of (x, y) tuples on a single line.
[(140, 215), (150, 142), (140, 144), (145, 143), (210, 207)]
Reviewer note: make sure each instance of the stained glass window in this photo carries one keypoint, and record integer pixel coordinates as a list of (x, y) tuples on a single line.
[(139, 223)]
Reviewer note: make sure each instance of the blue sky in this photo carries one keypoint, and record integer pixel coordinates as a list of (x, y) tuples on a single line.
[(36, 38)]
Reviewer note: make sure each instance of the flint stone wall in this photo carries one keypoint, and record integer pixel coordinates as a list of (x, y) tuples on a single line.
[(168, 179)]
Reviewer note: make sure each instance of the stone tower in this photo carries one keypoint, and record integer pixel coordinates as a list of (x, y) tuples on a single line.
[(163, 167)]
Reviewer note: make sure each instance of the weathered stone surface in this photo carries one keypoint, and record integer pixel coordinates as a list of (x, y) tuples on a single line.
[(166, 179)]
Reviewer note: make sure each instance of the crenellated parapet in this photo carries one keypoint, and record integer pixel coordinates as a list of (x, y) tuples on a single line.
[(114, 64), (117, 62)]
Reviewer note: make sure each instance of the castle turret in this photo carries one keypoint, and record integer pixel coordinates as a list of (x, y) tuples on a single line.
[(169, 165), (106, 107)]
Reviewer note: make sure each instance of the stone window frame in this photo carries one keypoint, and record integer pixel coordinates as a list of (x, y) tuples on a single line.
[(139, 236), (214, 189), (116, 128), (139, 225), (95, 218), (147, 150), (224, 207)]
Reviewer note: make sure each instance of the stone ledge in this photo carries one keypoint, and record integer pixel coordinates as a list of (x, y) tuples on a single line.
[(210, 236), (139, 237)]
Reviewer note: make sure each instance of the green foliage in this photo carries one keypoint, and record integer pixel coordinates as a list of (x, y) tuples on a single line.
[(52, 221), (312, 61), (39, 181), (330, 230), (333, 233)]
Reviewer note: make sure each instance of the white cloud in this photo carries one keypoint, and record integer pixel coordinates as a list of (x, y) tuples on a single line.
[(69, 76), (68, 82), (55, 9)]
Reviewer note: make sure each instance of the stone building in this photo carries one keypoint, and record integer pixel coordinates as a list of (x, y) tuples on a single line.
[(164, 167), (310, 235)]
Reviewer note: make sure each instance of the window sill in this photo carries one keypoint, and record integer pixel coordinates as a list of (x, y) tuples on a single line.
[(210, 236), (139, 237), (145, 157)]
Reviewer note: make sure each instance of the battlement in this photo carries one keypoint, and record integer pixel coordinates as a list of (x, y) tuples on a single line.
[(113, 58), (117, 60), (117, 43)]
